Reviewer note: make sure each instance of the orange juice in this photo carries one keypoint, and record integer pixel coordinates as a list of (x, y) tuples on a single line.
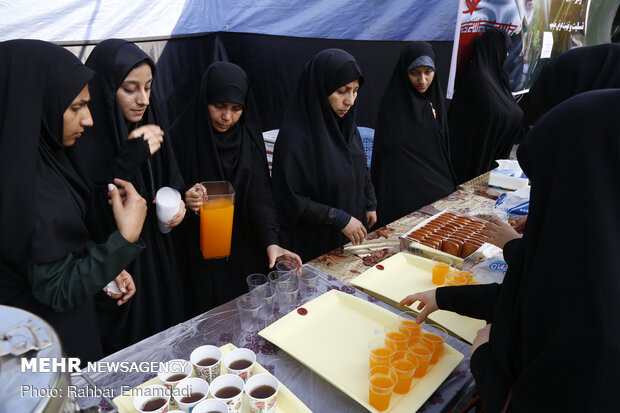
[(216, 220), (405, 369), (437, 344), (380, 357), (380, 392), (439, 273), (397, 338), (424, 355), (468, 276), (410, 328)]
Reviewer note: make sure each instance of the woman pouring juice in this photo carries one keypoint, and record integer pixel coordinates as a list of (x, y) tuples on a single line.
[(218, 138)]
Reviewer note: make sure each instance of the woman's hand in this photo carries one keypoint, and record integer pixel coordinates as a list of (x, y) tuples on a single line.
[(428, 303), (178, 217), (498, 232), (355, 231), (150, 133), (124, 282), (129, 213), (482, 336), (277, 253), (519, 224), (195, 197), (371, 218)]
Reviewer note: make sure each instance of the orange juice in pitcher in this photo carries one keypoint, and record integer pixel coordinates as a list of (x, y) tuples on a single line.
[(216, 219)]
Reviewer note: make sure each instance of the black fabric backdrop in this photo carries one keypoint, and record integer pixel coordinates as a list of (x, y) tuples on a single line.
[(273, 65)]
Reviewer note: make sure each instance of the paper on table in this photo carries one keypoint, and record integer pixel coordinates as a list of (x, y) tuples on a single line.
[(404, 274), (330, 335), (287, 401)]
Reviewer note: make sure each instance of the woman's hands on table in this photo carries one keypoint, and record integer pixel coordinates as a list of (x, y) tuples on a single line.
[(498, 233), (371, 218), (428, 303), (355, 231), (277, 253), (482, 336), (519, 224)]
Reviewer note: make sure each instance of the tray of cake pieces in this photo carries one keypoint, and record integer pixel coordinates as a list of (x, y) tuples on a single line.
[(450, 234)]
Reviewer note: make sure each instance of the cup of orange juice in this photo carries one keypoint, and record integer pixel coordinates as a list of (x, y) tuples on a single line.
[(441, 266), (434, 336), (404, 364), (382, 380), (216, 219), (467, 274), (423, 353), (455, 278), (380, 352), (408, 325)]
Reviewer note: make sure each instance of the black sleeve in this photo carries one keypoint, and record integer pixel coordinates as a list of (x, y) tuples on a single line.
[(371, 198), (493, 384), (476, 301), (129, 160), (263, 210), (513, 251)]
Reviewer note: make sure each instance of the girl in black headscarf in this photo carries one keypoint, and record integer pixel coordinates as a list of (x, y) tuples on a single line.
[(544, 318), (321, 184), (126, 142), (573, 72), (48, 263), (485, 121), (410, 158), (219, 138)]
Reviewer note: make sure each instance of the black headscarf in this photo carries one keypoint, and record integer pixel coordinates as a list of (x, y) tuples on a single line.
[(158, 302), (411, 157), (485, 121), (573, 72), (42, 202), (548, 316), (207, 155), (319, 156), (112, 60), (238, 156), (42, 197)]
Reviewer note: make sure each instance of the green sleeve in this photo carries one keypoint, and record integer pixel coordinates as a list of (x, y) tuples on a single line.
[(69, 281)]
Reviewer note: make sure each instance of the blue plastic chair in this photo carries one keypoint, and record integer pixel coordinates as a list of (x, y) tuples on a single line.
[(368, 137)]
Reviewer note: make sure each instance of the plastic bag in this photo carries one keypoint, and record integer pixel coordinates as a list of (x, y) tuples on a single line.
[(514, 204)]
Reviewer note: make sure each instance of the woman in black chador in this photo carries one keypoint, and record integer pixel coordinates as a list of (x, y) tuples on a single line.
[(321, 184), (126, 142), (411, 157), (49, 264), (219, 138), (484, 119), (542, 317)]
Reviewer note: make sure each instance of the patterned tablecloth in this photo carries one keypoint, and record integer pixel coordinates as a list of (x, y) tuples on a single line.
[(349, 261)]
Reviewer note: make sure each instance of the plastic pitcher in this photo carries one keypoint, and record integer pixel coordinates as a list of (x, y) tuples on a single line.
[(216, 219)]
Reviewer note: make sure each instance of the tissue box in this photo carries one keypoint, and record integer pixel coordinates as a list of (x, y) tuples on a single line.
[(508, 175)]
